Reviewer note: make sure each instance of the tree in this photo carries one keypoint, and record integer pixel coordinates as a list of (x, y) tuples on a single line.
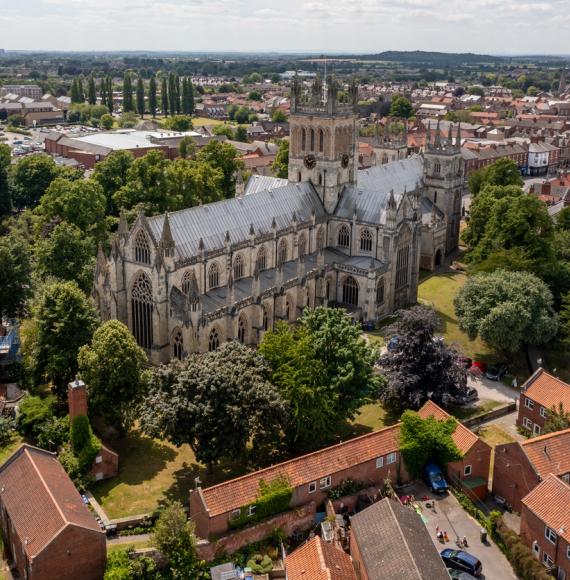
[(30, 178), (33, 413), (558, 420), (178, 123), (224, 157), (66, 254), (189, 183), (16, 120), (278, 116), (81, 203), (127, 120), (5, 194), (223, 130), (506, 309), (164, 96), (111, 366), (401, 107), (217, 402), (91, 91), (565, 318), (476, 90), (111, 174), (140, 97), (106, 122), (280, 166), (75, 94), (187, 147), (241, 134), (242, 115), (173, 102), (254, 96), (419, 366), (16, 275), (503, 172), (80, 90), (65, 320), (110, 97), (562, 219), (189, 97), (152, 102), (128, 104)]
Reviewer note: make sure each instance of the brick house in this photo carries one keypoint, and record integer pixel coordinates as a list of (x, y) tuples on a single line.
[(390, 542), (540, 393), (545, 524), (48, 531), (520, 467), (473, 470), (370, 458), (318, 560)]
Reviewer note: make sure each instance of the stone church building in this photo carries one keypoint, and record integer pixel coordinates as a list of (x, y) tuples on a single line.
[(329, 235)]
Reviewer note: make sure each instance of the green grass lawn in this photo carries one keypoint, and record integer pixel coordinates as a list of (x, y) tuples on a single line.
[(135, 544), (494, 435), (8, 449)]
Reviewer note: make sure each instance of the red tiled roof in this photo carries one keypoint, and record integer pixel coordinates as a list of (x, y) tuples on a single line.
[(549, 453), (547, 390), (317, 560), (462, 437), (40, 498), (224, 497), (549, 501)]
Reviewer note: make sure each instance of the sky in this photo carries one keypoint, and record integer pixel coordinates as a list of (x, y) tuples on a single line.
[(366, 26)]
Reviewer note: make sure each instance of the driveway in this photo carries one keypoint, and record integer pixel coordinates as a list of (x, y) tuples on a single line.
[(451, 517), (492, 390)]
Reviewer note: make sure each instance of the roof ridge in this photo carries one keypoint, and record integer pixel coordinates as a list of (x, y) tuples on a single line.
[(545, 436), (21, 450), (402, 535), (301, 457)]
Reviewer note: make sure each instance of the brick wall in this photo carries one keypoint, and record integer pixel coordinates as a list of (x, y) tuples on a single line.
[(107, 466), (513, 474), (478, 458), (533, 415), (532, 530), (357, 560)]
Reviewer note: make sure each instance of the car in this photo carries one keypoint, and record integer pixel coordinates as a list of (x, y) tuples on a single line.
[(465, 397), (462, 561), (496, 372), (434, 477), (392, 344), (465, 361), (459, 575)]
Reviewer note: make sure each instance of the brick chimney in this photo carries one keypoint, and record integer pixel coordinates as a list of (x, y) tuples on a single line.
[(77, 398)]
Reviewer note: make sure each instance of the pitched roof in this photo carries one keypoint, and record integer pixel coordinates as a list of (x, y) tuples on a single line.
[(462, 436), (395, 544), (549, 453), (317, 560), (547, 390), (40, 498), (224, 497), (549, 501)]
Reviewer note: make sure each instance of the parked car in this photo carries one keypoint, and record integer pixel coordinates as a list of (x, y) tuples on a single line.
[(464, 398), (462, 561), (434, 477), (392, 344), (459, 575), (497, 372), (465, 361)]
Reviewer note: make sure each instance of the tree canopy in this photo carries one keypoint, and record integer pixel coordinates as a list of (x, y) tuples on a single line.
[(30, 178), (16, 275), (401, 107), (223, 156)]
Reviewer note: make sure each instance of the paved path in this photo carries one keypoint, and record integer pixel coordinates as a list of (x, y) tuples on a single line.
[(493, 390), (128, 539)]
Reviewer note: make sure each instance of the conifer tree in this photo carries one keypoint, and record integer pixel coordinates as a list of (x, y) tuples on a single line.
[(91, 91), (103, 92), (80, 90), (128, 104), (190, 97), (75, 91), (172, 94), (164, 97), (178, 94), (110, 101), (152, 96), (140, 97)]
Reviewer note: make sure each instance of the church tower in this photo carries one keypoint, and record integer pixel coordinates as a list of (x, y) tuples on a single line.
[(324, 134), (443, 178)]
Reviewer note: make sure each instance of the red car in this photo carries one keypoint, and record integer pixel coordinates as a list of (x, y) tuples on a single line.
[(478, 367)]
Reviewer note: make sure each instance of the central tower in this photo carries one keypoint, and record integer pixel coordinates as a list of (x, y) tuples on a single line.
[(324, 134)]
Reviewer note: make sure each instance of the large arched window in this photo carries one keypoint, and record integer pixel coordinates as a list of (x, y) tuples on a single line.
[(238, 267), (141, 310), (321, 140), (403, 257), (320, 238), (312, 133), (142, 248), (242, 329), (287, 309), (177, 344), (365, 241), (344, 237), (302, 245), (213, 276), (303, 139), (188, 281), (213, 339), (265, 318), (262, 259), (282, 252), (380, 292), (350, 291)]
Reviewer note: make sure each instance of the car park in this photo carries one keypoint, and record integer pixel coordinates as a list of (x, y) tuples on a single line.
[(433, 476), (496, 372), (462, 561)]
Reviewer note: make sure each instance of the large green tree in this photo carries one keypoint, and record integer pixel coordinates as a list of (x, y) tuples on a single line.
[(152, 102), (164, 96), (65, 320), (91, 91), (191, 183), (401, 107), (16, 275), (112, 366), (503, 172), (219, 403), (111, 174), (30, 178), (223, 156), (280, 165), (506, 309), (5, 194), (128, 104), (140, 96)]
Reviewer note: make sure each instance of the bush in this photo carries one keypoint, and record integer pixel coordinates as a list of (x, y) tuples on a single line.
[(84, 443), (53, 433), (260, 564), (346, 487), (16, 120), (128, 120), (178, 123), (107, 122), (34, 412), (7, 427)]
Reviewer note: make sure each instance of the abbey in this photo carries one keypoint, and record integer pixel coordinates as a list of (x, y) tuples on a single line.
[(330, 235)]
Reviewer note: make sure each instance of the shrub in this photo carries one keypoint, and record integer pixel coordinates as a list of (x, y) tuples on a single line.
[(260, 564), (346, 487), (7, 427), (53, 433), (33, 413), (84, 443)]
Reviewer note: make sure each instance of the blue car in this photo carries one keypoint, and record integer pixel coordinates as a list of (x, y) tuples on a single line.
[(434, 478), (463, 561)]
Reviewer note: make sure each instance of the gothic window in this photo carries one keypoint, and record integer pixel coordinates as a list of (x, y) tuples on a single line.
[(320, 238), (403, 257), (303, 140), (435, 197), (142, 248), (177, 344), (213, 276), (213, 339), (238, 267), (384, 158), (242, 329), (437, 167), (344, 237), (350, 291), (282, 252), (312, 133), (380, 292), (366, 241), (298, 176), (302, 245), (262, 259), (141, 310), (320, 178), (187, 281), (265, 318), (321, 141), (328, 290), (287, 309)]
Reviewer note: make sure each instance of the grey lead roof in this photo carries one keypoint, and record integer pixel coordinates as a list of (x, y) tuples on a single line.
[(372, 190), (262, 183), (211, 221)]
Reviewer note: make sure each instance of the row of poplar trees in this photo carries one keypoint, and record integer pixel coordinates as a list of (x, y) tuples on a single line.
[(176, 94)]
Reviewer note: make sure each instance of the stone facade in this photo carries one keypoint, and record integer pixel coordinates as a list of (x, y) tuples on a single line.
[(330, 235)]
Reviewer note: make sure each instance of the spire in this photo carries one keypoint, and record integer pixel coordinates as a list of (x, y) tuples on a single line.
[(449, 134), (251, 230), (458, 140), (428, 134), (201, 244), (437, 141), (227, 236), (123, 230), (273, 224), (166, 238), (391, 200)]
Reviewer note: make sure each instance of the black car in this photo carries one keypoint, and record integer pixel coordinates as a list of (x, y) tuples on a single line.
[(496, 372), (462, 561)]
